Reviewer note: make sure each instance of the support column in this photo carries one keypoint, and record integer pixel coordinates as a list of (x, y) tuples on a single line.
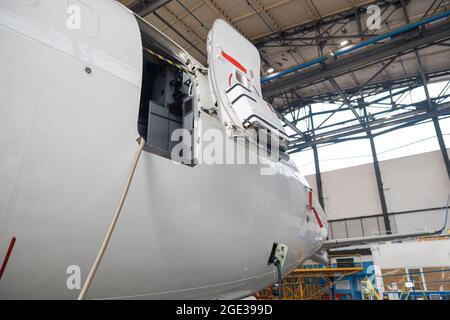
[(441, 141), (376, 166), (431, 106), (317, 165), (318, 176), (358, 23)]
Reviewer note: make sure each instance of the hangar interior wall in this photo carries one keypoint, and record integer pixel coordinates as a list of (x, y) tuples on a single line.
[(437, 253), (416, 189), (427, 263)]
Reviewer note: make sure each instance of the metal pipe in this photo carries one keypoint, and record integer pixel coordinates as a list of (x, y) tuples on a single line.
[(357, 46), (180, 34)]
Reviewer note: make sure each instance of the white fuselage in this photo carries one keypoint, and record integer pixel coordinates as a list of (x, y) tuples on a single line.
[(67, 138)]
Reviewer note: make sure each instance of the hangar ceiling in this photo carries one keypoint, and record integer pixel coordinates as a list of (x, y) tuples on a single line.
[(292, 35), (291, 32), (316, 52)]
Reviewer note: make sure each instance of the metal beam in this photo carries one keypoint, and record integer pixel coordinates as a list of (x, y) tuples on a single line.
[(406, 83), (363, 44), (442, 146), (430, 105), (400, 45), (317, 165), (344, 98), (405, 117), (290, 124), (180, 34), (348, 16), (144, 7), (371, 89), (376, 167)]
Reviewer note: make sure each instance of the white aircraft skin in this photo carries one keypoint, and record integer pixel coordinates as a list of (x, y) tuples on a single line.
[(67, 140)]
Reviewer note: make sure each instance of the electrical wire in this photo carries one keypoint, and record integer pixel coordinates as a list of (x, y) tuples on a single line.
[(176, 65), (280, 278), (378, 153)]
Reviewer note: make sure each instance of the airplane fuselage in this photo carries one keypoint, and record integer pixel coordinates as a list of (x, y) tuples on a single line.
[(69, 103)]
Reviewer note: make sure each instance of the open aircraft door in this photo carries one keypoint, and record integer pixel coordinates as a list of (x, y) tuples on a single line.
[(234, 71)]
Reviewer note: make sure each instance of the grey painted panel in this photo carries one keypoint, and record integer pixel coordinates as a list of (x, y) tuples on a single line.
[(158, 126)]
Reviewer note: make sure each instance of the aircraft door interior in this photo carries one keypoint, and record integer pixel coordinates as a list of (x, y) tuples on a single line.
[(166, 105)]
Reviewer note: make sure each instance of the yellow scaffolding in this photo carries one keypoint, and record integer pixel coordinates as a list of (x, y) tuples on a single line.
[(313, 281), (405, 291)]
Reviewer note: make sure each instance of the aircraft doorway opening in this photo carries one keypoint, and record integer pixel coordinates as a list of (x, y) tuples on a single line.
[(167, 104)]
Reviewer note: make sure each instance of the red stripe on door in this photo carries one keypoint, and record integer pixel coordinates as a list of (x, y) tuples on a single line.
[(234, 62), (310, 200), (317, 217), (314, 209), (8, 254)]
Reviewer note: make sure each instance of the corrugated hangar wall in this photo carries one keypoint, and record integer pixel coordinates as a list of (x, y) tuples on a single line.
[(416, 189)]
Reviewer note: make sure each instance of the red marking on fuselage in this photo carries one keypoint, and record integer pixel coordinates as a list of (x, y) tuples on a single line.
[(8, 254), (317, 217), (234, 62), (229, 79), (314, 209)]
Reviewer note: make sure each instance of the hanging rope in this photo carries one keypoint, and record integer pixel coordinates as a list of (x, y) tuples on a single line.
[(105, 243)]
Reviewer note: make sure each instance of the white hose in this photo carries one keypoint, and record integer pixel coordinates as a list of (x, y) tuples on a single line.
[(105, 243)]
